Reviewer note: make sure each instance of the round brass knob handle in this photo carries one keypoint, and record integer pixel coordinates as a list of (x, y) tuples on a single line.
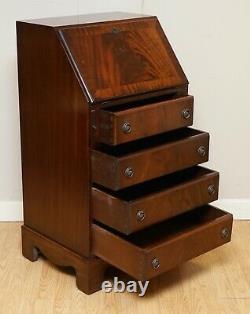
[(211, 189), (202, 151), (129, 172), (126, 128), (225, 233), (155, 263), (140, 215), (186, 113)]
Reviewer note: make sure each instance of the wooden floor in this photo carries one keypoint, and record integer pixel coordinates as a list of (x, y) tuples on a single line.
[(217, 282)]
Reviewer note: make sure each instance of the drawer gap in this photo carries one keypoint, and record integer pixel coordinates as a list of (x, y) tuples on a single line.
[(152, 141), (142, 102), (160, 184), (172, 228)]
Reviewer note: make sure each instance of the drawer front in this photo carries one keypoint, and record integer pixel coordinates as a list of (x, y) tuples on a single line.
[(116, 127), (128, 215), (160, 248), (117, 172)]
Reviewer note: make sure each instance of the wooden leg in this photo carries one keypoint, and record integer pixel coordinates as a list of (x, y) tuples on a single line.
[(89, 271), (90, 280), (28, 249)]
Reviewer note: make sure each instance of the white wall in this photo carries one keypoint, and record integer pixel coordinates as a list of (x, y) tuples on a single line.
[(212, 42)]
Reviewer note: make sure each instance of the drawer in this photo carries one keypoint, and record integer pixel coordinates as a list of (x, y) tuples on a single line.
[(137, 207), (117, 167), (159, 248), (121, 124)]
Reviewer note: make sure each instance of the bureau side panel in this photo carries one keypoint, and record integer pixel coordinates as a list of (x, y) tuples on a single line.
[(55, 140)]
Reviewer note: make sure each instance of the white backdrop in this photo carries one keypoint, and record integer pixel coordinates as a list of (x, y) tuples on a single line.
[(212, 42)]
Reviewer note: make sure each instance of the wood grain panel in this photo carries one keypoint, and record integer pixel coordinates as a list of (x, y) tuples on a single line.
[(55, 139), (99, 51)]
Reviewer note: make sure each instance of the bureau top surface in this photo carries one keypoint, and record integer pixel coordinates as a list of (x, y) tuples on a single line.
[(72, 20)]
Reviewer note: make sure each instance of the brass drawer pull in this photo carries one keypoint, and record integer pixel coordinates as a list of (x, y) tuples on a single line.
[(225, 233), (202, 151), (186, 114), (140, 215), (211, 189), (126, 128), (155, 263), (129, 172)]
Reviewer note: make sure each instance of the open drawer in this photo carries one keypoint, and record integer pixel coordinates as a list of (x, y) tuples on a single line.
[(142, 205), (117, 167), (125, 123), (157, 249)]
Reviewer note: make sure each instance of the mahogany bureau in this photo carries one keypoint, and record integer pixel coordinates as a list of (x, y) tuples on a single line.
[(109, 161)]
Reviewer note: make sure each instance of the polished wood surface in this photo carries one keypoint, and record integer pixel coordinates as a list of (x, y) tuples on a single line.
[(78, 85), (158, 199), (143, 120), (171, 243), (216, 282), (149, 97), (149, 159), (54, 137), (99, 51)]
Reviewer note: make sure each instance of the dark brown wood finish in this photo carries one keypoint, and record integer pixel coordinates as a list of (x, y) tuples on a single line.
[(89, 271), (99, 51), (138, 207), (149, 159), (85, 174), (147, 97), (54, 136), (117, 125), (157, 249)]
